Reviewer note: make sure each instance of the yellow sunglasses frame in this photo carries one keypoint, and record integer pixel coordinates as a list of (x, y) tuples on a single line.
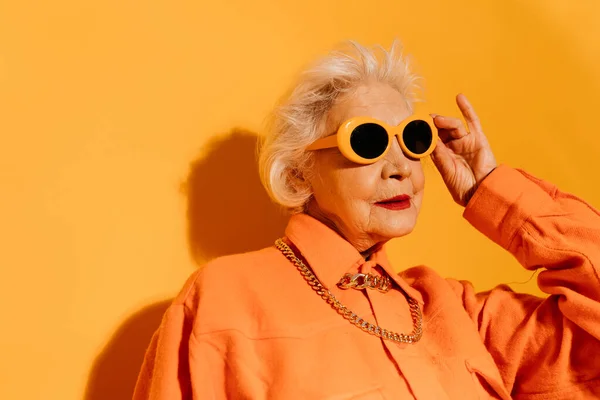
[(341, 139)]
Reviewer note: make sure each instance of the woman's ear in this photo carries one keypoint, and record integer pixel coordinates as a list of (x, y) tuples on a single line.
[(299, 181), (297, 175)]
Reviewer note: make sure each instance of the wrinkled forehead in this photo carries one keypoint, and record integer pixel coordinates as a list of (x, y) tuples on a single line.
[(376, 101)]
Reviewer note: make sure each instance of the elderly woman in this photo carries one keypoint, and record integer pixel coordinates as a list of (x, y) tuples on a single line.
[(323, 315)]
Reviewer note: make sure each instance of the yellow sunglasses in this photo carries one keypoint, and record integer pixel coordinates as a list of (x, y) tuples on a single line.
[(365, 140)]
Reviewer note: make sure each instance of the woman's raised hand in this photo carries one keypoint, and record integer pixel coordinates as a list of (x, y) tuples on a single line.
[(463, 155)]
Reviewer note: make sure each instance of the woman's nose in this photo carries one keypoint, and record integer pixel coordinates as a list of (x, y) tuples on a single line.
[(397, 165)]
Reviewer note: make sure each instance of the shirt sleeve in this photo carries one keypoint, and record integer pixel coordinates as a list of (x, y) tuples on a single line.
[(176, 365), (165, 373), (545, 348)]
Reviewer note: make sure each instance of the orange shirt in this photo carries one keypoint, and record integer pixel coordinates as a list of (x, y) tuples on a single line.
[(248, 326)]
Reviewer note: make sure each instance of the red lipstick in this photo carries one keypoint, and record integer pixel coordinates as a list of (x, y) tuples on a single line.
[(401, 202)]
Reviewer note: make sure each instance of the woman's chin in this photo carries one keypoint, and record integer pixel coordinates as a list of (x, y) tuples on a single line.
[(394, 224), (396, 230)]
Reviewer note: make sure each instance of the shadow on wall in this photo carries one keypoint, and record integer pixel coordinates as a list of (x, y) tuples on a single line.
[(228, 212), (115, 370)]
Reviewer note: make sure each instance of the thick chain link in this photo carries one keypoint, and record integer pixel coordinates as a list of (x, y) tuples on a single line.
[(359, 322), (365, 281)]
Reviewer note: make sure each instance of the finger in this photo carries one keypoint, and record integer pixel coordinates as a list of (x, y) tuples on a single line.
[(442, 157), (469, 113), (449, 128)]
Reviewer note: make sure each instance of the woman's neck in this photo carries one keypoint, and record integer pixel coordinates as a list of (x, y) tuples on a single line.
[(372, 250), (365, 245)]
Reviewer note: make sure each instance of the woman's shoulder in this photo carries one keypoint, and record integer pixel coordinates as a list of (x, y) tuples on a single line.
[(227, 272), (241, 263), (234, 291)]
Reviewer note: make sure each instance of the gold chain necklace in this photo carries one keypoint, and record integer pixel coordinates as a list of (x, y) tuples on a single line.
[(359, 322)]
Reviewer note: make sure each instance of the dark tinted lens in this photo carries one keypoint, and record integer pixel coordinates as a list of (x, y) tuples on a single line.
[(417, 136), (369, 140)]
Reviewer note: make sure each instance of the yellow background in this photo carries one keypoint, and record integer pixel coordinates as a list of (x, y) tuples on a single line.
[(127, 137)]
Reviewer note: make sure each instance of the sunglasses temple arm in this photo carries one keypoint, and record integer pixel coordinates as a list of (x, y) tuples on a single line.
[(325, 143)]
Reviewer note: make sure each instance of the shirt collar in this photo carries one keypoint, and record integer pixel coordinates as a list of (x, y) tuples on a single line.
[(381, 258), (330, 256)]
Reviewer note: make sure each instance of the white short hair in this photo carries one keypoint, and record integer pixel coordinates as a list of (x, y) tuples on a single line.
[(300, 119)]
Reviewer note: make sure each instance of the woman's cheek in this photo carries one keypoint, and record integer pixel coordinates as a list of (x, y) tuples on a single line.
[(418, 178), (365, 183)]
